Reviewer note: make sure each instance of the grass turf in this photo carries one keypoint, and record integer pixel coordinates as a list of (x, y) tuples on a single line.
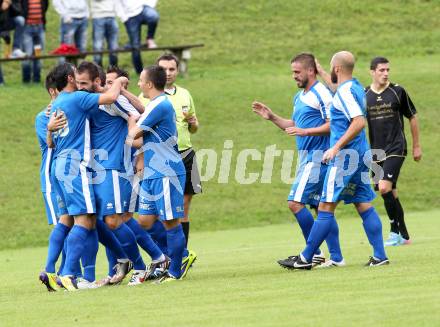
[(236, 282)]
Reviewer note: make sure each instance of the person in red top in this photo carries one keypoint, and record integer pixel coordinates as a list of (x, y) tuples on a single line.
[(33, 37)]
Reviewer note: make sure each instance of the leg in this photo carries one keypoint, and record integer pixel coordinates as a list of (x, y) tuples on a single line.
[(133, 27), (28, 47), (81, 34), (98, 39), (385, 189), (39, 39), (185, 221), (150, 17), (373, 229), (19, 23), (112, 40)]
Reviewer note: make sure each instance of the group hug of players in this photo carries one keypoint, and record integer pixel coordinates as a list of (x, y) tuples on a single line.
[(335, 157), (107, 154)]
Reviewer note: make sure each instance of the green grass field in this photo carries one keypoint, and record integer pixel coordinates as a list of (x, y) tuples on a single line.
[(236, 282), (239, 231)]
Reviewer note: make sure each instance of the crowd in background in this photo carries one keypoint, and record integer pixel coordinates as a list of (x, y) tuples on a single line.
[(26, 20)]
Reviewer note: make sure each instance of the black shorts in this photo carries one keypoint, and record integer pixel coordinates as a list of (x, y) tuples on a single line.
[(391, 170), (193, 185)]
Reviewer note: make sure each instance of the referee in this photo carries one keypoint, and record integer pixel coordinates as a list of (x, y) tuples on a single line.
[(387, 104), (187, 124)]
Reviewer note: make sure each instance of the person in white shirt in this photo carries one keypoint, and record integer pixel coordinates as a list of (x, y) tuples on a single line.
[(74, 20), (104, 27), (134, 14)]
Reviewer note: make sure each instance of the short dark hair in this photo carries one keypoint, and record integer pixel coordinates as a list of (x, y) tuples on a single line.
[(50, 81), (307, 59), (168, 57), (157, 75), (89, 67), (376, 61), (61, 73), (101, 75), (118, 71)]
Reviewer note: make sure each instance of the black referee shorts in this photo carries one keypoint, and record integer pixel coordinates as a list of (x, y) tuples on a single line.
[(391, 170), (193, 185)]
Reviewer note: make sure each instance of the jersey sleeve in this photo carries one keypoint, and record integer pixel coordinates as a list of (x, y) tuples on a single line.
[(150, 118), (87, 101), (407, 107), (350, 102), (41, 129), (124, 108), (325, 99)]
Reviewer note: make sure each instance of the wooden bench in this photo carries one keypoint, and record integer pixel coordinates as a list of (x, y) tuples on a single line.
[(183, 52)]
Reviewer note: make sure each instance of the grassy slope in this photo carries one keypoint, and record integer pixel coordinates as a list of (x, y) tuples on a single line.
[(236, 282), (248, 47)]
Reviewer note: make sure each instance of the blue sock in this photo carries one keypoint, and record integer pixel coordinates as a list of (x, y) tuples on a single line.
[(63, 257), (332, 241), (373, 229), (56, 243), (176, 246), (112, 261), (75, 246), (305, 221), (109, 240), (144, 239), (320, 230), (88, 257), (128, 242), (159, 235)]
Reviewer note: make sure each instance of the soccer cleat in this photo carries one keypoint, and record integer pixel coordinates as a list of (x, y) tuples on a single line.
[(137, 278), (67, 282), (157, 269), (394, 239), (122, 269), (166, 278), (295, 262), (103, 282), (50, 280), (406, 242), (187, 262), (374, 262), (84, 284), (330, 264), (318, 259)]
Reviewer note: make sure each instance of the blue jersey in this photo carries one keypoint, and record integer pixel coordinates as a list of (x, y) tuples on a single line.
[(161, 157), (108, 128), (46, 153), (348, 102), (74, 139), (311, 109)]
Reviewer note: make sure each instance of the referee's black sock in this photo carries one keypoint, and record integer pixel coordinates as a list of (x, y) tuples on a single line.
[(401, 219), (185, 226), (391, 207)]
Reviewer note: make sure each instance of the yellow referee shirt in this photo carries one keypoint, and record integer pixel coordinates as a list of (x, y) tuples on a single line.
[(182, 103)]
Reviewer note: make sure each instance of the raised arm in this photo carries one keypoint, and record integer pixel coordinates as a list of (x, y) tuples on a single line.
[(112, 94), (134, 100), (135, 132), (266, 113), (416, 148), (325, 77)]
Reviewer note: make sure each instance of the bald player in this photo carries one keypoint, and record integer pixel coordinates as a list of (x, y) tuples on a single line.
[(348, 160)]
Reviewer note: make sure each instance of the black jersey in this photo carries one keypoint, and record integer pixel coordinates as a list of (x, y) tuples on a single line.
[(385, 113)]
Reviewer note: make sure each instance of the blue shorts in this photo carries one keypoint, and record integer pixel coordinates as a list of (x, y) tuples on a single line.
[(307, 187), (108, 193), (74, 189), (351, 187), (130, 186), (51, 204), (163, 197)]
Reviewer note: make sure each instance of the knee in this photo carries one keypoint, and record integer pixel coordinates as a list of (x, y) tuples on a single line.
[(145, 222), (112, 222), (295, 206)]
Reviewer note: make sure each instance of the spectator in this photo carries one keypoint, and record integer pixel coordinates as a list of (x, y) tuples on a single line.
[(74, 19), (33, 37), (134, 14), (11, 18), (104, 26)]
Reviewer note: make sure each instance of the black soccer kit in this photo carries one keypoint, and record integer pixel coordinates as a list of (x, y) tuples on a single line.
[(385, 112)]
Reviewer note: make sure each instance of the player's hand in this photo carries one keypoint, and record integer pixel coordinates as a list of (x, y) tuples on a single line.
[(192, 120), (417, 153), (132, 119), (47, 112), (329, 155), (318, 66), (124, 81), (295, 131), (262, 110), (56, 122), (67, 19)]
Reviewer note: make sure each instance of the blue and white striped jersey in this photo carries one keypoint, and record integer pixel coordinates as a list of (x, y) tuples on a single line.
[(46, 153)]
